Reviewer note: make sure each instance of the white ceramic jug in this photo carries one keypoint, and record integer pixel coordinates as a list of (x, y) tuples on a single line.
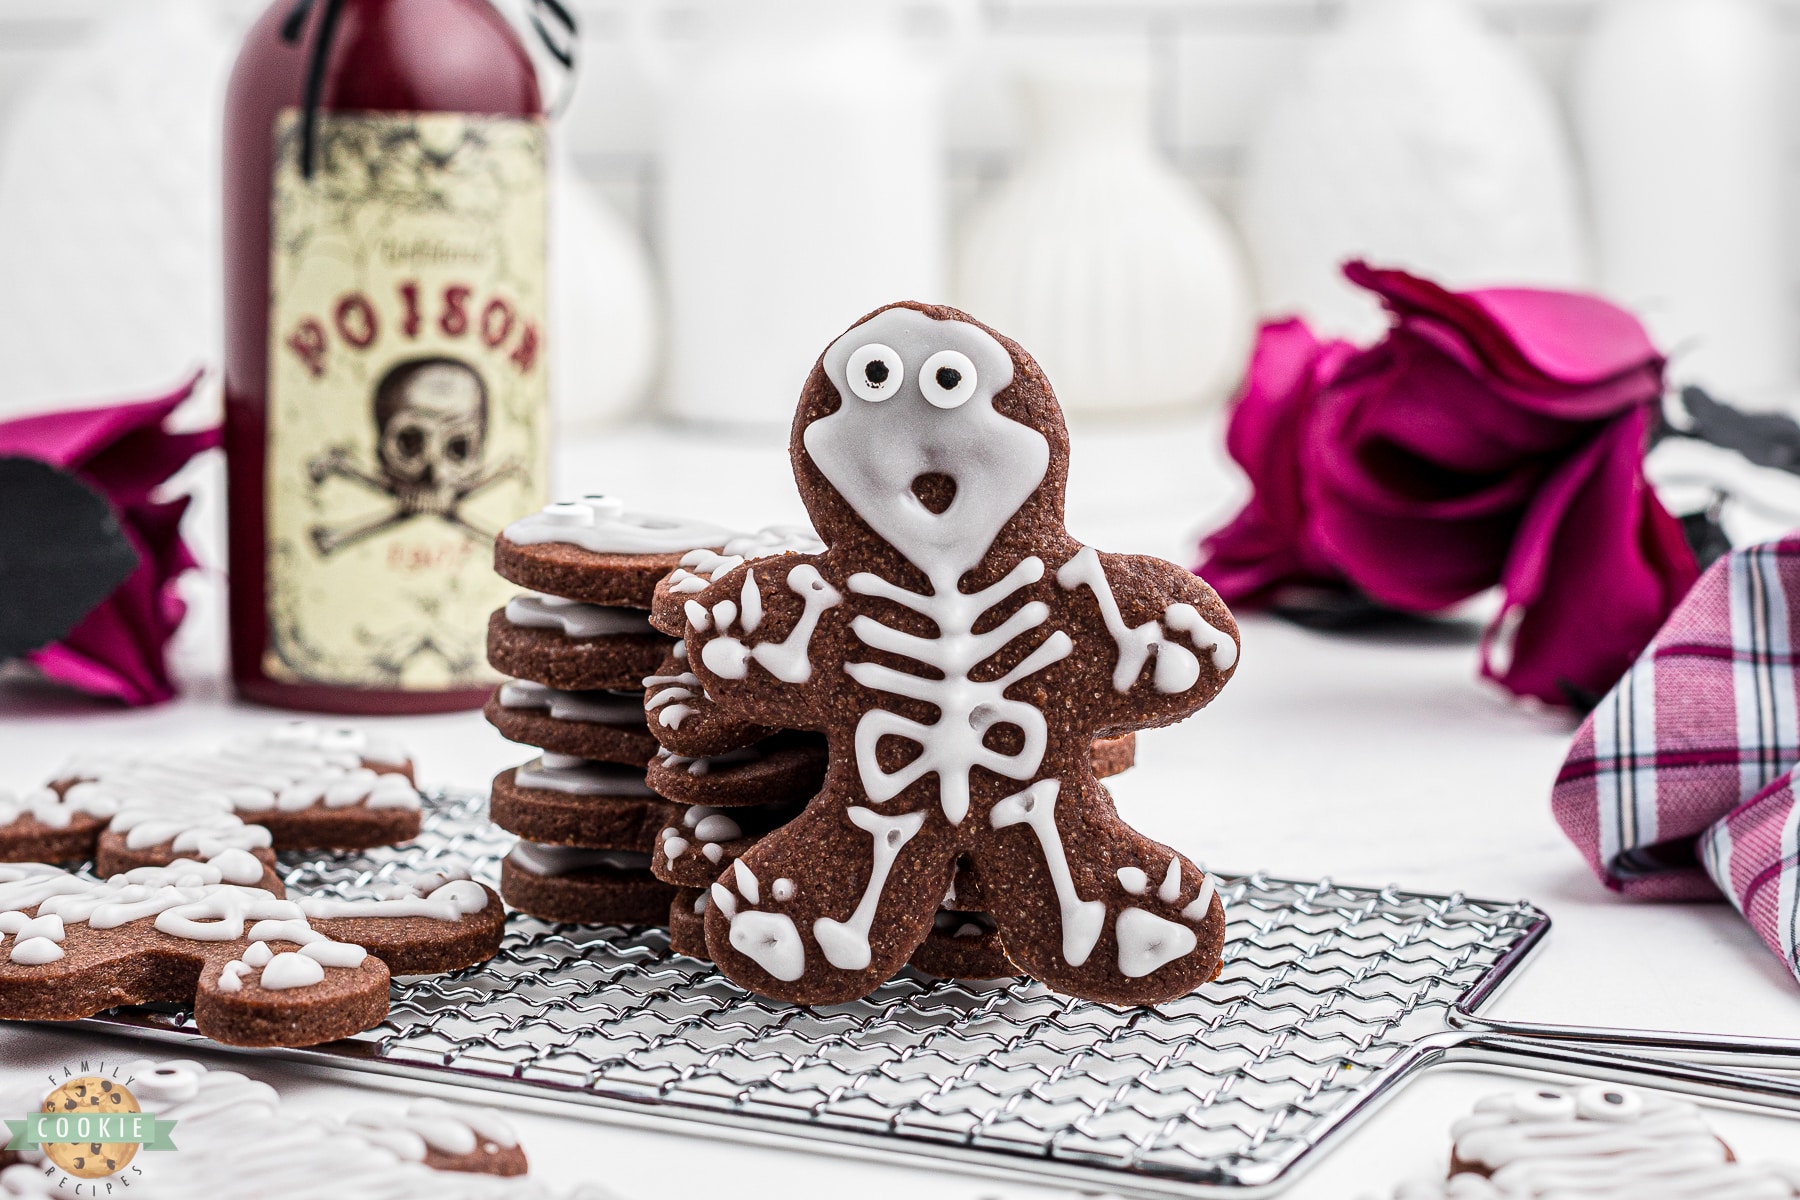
[(1129, 287), (802, 184), (1413, 136), (1679, 105)]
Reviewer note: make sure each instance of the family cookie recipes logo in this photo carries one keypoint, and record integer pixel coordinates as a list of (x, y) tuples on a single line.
[(90, 1128)]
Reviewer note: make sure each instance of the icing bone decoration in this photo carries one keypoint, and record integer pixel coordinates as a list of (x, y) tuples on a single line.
[(960, 651), (260, 970)]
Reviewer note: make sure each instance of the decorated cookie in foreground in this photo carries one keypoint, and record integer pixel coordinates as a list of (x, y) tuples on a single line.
[(232, 1129), (259, 970), (1601, 1139), (607, 726), (586, 887), (593, 550), (961, 652), (699, 568), (560, 800), (572, 645)]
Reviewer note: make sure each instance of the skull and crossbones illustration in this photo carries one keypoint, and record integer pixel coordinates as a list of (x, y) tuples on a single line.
[(431, 419)]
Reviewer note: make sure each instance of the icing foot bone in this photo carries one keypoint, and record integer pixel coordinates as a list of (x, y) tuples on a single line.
[(961, 653)]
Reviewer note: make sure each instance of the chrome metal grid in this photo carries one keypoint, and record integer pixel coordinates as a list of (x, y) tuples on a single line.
[(1329, 996)]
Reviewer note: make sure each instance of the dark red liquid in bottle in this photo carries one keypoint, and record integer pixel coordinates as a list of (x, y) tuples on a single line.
[(386, 56)]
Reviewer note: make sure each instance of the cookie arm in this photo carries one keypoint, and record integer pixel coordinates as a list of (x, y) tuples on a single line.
[(750, 637), (1174, 642)]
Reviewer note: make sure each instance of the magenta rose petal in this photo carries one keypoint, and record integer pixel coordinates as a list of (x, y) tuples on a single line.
[(1263, 547), (1597, 566)]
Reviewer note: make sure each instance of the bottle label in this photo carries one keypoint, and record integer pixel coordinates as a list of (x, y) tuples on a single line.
[(408, 400)]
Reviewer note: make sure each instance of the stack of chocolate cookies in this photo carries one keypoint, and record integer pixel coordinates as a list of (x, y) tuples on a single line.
[(645, 793), (579, 645)]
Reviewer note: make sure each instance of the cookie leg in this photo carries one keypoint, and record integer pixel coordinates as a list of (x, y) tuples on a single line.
[(830, 905), (1090, 906)]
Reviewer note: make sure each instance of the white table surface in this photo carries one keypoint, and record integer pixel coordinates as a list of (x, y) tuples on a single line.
[(1372, 759)]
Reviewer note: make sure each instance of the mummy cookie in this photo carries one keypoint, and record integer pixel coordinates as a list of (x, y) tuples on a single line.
[(699, 568), (586, 887), (960, 651), (563, 801), (593, 550), (1602, 1140), (573, 646), (237, 1138), (258, 969), (682, 717), (787, 768), (607, 726)]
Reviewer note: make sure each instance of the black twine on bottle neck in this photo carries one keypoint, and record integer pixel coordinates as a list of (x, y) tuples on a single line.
[(552, 21)]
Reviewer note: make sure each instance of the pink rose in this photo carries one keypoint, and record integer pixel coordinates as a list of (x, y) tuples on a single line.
[(117, 649), (1493, 437)]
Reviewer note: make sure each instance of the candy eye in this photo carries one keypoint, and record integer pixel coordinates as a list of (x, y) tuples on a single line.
[(1601, 1102), (948, 378), (875, 372), (1543, 1104)]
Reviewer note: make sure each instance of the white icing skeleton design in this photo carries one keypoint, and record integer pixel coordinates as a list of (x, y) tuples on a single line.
[(919, 450)]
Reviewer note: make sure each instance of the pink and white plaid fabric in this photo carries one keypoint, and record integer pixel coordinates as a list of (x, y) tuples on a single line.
[(1679, 784)]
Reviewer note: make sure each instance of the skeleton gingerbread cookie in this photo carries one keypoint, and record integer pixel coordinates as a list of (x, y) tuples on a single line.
[(960, 651)]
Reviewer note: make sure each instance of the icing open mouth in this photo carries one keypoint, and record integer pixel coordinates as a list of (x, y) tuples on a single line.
[(935, 491)]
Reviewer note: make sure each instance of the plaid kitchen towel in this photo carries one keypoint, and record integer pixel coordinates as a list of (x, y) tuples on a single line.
[(1680, 784), (1703, 722), (1754, 854)]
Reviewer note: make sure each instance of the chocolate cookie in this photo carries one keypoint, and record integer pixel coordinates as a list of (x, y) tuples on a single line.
[(961, 651), (593, 550), (115, 855), (1114, 755), (700, 567), (584, 887), (563, 801), (560, 660), (693, 851), (963, 945), (683, 718), (606, 726), (787, 767), (445, 1137), (687, 923), (259, 970)]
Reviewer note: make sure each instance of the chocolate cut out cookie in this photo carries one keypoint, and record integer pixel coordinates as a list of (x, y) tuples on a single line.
[(963, 945), (961, 651), (683, 718), (259, 970), (606, 726), (529, 638), (786, 768), (595, 551), (584, 887), (564, 801), (692, 851), (700, 567)]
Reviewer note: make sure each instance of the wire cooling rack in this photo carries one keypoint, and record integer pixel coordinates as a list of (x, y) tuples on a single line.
[(1330, 997)]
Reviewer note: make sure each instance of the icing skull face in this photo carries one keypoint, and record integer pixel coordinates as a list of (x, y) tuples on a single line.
[(916, 446)]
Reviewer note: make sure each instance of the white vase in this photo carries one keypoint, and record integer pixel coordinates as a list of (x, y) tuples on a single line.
[(1413, 136), (802, 184), (1125, 284), (1679, 106)]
